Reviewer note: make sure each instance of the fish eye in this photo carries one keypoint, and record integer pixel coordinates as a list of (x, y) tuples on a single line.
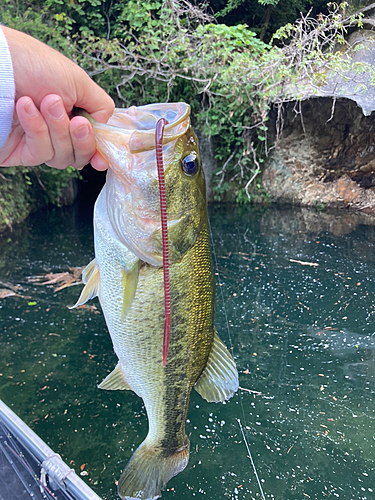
[(190, 164)]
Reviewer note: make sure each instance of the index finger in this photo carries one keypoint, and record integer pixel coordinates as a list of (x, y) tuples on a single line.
[(93, 99)]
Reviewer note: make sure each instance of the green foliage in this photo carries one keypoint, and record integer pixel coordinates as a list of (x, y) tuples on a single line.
[(258, 195), (320, 206), (211, 66), (15, 197), (142, 52), (24, 189), (227, 74), (54, 182)]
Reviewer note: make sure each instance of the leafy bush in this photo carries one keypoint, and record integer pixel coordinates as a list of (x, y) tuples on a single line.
[(142, 52), (15, 197)]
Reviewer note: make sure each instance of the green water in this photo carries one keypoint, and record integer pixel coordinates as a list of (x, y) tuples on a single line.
[(302, 336)]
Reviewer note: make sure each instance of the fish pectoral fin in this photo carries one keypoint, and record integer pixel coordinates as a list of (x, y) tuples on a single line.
[(219, 379), (87, 272), (129, 283), (115, 381), (91, 277)]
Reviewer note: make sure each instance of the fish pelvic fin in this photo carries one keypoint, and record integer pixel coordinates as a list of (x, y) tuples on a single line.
[(91, 278), (129, 283), (115, 381), (219, 380), (149, 470)]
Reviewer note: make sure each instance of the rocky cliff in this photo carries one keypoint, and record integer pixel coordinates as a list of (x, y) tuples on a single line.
[(325, 155)]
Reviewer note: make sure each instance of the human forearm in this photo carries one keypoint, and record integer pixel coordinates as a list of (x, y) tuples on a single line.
[(7, 90)]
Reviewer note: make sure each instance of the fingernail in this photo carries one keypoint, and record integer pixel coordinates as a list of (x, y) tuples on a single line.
[(81, 132), (30, 108), (100, 163), (56, 110)]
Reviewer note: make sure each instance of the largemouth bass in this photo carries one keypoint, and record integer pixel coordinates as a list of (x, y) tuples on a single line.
[(127, 276)]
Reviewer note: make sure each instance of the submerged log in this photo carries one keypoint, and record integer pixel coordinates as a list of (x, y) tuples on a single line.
[(60, 280)]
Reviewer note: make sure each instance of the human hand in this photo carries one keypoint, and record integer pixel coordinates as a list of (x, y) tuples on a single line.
[(48, 86)]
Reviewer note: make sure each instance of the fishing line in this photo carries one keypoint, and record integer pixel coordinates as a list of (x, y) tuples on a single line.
[(251, 459), (232, 349)]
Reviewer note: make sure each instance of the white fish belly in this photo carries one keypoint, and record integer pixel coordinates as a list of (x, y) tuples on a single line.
[(140, 358)]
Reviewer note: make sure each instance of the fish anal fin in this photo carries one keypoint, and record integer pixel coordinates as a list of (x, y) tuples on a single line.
[(92, 286), (149, 470), (115, 381), (129, 283), (219, 380)]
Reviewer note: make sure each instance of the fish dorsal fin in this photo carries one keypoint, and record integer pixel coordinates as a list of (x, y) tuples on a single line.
[(91, 277), (129, 283), (219, 379), (115, 381)]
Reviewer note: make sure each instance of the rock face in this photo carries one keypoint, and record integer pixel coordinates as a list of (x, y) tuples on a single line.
[(323, 160), (325, 156), (207, 152)]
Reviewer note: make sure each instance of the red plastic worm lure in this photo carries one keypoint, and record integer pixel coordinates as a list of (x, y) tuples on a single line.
[(164, 234)]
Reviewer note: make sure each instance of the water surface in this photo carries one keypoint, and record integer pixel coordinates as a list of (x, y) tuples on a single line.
[(295, 303)]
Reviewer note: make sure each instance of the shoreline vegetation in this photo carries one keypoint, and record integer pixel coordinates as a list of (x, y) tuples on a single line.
[(232, 61)]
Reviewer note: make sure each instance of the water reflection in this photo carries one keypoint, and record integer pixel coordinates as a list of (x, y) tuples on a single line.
[(341, 342), (294, 302)]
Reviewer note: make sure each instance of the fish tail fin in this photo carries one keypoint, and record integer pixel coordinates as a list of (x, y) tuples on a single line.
[(149, 470)]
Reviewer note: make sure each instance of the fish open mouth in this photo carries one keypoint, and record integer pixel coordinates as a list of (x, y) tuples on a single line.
[(127, 142), (135, 127)]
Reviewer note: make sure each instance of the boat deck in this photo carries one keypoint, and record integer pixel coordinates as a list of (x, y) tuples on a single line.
[(20, 472), (30, 469)]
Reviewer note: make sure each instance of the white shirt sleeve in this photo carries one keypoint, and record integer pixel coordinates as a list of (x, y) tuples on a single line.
[(7, 89)]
